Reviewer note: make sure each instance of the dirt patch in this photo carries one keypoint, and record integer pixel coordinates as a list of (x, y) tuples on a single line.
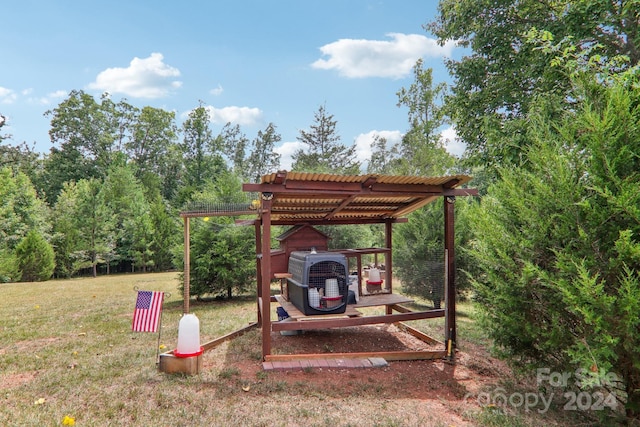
[(10, 381), (417, 379)]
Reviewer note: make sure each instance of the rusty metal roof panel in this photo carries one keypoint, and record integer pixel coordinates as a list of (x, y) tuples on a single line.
[(383, 179), (298, 197)]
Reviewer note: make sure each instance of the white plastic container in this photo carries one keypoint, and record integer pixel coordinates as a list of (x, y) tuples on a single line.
[(314, 297), (188, 336), (331, 288), (374, 275), (353, 286)]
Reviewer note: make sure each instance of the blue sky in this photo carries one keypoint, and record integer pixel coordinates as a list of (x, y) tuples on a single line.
[(250, 62)]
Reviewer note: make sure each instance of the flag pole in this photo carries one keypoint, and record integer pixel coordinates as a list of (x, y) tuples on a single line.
[(159, 332)]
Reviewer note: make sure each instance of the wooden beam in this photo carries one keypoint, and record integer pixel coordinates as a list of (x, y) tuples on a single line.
[(418, 334), (460, 192), (319, 221), (355, 321), (450, 274), (265, 282), (216, 342), (345, 203), (258, 241), (388, 260), (186, 296), (413, 206), (387, 355)]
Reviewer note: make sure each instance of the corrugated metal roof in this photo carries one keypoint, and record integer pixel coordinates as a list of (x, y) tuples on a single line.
[(383, 179), (301, 197)]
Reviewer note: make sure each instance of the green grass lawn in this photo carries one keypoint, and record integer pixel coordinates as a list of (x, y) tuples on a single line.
[(67, 350)]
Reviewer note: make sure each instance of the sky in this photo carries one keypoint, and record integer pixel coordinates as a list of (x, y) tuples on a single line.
[(249, 62)]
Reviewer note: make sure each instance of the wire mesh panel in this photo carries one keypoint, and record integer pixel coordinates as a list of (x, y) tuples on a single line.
[(425, 277)]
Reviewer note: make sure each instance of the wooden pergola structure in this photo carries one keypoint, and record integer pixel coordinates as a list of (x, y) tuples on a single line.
[(295, 198), (299, 198)]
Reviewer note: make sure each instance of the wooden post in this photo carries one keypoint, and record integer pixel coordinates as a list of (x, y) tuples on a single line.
[(388, 263), (187, 268), (450, 279), (265, 261), (258, 269)]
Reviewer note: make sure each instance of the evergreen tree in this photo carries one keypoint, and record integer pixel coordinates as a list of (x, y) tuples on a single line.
[(262, 158), (323, 152), (35, 258), (223, 260), (557, 242)]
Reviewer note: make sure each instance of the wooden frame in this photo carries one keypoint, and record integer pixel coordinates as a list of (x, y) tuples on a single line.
[(293, 198)]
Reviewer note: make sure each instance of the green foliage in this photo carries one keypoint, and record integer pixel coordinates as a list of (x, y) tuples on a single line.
[(66, 234), (222, 254), (419, 256), (133, 233), (96, 224), (166, 234), (9, 269), (557, 242), (35, 258), (223, 260), (349, 236), (419, 253), (20, 208), (497, 81), (201, 152), (263, 159), (324, 152)]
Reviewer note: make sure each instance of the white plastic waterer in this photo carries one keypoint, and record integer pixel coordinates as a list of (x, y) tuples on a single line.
[(188, 337), (374, 275), (331, 288)]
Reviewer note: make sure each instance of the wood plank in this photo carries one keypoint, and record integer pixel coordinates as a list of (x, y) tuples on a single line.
[(419, 334), (296, 314), (381, 299), (387, 355), (355, 321), (216, 342), (400, 308)]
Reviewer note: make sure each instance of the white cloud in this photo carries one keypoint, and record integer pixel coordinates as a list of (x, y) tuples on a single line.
[(286, 151), (144, 78), (452, 143), (364, 140), (7, 96), (393, 58), (45, 100), (238, 115), (217, 91)]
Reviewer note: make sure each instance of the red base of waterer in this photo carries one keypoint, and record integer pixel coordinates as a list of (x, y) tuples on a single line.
[(374, 286), (197, 353)]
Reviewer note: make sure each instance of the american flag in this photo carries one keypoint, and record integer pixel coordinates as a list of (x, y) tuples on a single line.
[(147, 313)]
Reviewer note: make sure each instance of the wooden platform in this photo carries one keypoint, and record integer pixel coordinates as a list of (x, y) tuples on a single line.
[(352, 317), (295, 314), (381, 299)]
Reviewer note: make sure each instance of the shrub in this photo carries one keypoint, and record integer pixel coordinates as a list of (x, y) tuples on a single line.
[(35, 258)]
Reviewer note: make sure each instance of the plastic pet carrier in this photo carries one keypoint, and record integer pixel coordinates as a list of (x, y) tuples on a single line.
[(319, 282)]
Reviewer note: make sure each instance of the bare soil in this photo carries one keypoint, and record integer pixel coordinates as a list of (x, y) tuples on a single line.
[(451, 388)]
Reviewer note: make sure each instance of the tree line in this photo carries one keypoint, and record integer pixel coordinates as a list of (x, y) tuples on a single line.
[(106, 197), (547, 102)]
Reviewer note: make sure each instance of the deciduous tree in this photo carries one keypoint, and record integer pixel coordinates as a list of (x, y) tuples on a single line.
[(502, 73)]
